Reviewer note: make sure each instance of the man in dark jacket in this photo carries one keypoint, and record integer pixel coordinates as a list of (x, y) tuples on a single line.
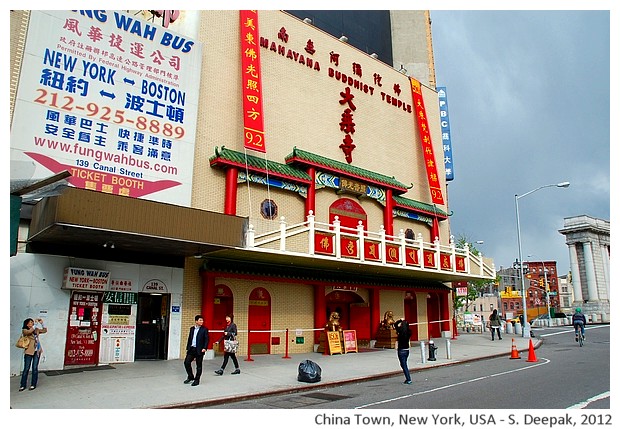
[(402, 349), (579, 322), (197, 343)]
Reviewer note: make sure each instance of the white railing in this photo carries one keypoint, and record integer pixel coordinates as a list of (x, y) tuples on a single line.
[(324, 240)]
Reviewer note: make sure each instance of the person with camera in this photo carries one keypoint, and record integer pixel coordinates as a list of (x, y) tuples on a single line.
[(32, 353)]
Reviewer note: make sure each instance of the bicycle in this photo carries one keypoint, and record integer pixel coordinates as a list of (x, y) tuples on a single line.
[(580, 337)]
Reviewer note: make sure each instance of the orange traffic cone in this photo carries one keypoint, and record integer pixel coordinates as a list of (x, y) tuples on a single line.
[(531, 357), (514, 354)]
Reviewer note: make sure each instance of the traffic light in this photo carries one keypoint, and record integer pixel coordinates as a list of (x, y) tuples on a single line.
[(541, 282)]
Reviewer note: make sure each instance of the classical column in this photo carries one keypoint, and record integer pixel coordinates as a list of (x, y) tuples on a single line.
[(574, 268), (590, 271), (605, 256)]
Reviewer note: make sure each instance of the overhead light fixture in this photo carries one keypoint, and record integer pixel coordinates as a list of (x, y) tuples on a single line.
[(308, 20), (374, 55), (344, 38), (403, 70), (109, 244)]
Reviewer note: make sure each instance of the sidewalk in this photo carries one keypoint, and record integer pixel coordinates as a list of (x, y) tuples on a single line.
[(159, 384)]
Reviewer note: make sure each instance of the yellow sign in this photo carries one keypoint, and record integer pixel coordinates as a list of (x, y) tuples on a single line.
[(333, 342)]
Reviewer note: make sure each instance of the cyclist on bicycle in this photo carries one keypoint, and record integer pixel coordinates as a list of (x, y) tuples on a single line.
[(579, 322)]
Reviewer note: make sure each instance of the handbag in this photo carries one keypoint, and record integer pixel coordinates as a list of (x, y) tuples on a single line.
[(23, 342), (231, 346)]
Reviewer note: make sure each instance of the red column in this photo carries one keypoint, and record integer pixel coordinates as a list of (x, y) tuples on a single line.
[(375, 312), (311, 200), (319, 310), (445, 310), (208, 301), (388, 216), (230, 203)]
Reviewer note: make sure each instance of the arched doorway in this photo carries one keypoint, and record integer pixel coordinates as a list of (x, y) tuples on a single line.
[(259, 321), (353, 314), (411, 313), (223, 305)]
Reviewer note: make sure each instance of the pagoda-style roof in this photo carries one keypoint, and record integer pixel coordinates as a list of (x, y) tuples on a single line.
[(226, 157), (305, 158), (420, 207)]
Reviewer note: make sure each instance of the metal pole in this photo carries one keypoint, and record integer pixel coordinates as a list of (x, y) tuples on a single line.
[(547, 293), (526, 326)]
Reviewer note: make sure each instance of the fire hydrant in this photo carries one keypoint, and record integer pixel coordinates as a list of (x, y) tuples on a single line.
[(431, 350)]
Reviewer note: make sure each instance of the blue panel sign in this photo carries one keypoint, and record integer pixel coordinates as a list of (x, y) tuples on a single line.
[(176, 309), (445, 132)]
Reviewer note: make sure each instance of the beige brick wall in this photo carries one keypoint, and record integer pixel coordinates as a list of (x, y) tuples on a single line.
[(292, 307), (191, 304), (302, 109)]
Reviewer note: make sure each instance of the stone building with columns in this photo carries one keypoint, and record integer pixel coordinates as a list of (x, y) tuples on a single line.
[(589, 249)]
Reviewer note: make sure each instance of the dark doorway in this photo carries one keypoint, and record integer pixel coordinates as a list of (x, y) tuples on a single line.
[(152, 327)]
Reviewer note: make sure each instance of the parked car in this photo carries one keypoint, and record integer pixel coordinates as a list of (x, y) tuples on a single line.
[(541, 317)]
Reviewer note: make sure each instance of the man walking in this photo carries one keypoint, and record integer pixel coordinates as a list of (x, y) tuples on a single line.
[(197, 343)]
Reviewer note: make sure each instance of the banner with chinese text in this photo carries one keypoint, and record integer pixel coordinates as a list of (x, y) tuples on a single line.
[(253, 125), (427, 145)]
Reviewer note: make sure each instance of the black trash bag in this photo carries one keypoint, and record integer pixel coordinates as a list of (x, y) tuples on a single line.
[(309, 372)]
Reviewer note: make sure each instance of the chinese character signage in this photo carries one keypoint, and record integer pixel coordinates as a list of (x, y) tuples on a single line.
[(427, 145), (446, 138), (111, 98), (253, 126)]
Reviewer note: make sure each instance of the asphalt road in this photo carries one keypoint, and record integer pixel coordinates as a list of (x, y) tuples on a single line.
[(564, 376)]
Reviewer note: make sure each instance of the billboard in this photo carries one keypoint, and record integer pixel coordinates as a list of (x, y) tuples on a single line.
[(110, 98)]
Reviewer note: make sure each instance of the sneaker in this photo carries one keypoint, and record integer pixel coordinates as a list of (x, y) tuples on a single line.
[(21, 389), (33, 387), (407, 382), (219, 372), (195, 383), (235, 372), (189, 380), (576, 339)]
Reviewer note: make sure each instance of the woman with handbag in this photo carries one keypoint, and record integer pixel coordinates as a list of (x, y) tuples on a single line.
[(230, 346), (32, 353)]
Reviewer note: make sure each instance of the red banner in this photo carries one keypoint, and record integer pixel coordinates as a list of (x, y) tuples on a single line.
[(348, 247), (429, 259), (411, 257), (371, 251), (445, 261), (460, 263), (392, 253), (253, 126), (323, 243), (427, 145)]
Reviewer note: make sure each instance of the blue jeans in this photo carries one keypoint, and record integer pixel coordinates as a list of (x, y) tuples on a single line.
[(579, 325), (403, 355), (30, 360)]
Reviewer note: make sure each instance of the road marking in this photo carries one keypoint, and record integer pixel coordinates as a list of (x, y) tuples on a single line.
[(589, 401), (546, 361), (571, 330)]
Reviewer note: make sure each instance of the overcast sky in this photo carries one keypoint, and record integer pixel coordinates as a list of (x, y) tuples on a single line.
[(529, 104)]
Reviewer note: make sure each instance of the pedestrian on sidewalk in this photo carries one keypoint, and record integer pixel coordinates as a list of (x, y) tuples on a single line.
[(402, 349), (496, 325), (197, 343), (32, 354), (230, 333)]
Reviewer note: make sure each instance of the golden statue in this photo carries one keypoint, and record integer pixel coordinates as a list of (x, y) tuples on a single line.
[(388, 321), (334, 322)]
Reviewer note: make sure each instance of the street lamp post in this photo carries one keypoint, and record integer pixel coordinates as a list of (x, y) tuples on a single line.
[(526, 325)]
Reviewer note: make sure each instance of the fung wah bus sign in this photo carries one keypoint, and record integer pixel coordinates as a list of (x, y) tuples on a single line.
[(85, 279)]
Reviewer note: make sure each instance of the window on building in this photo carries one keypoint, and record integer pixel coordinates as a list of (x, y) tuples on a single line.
[(269, 209)]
